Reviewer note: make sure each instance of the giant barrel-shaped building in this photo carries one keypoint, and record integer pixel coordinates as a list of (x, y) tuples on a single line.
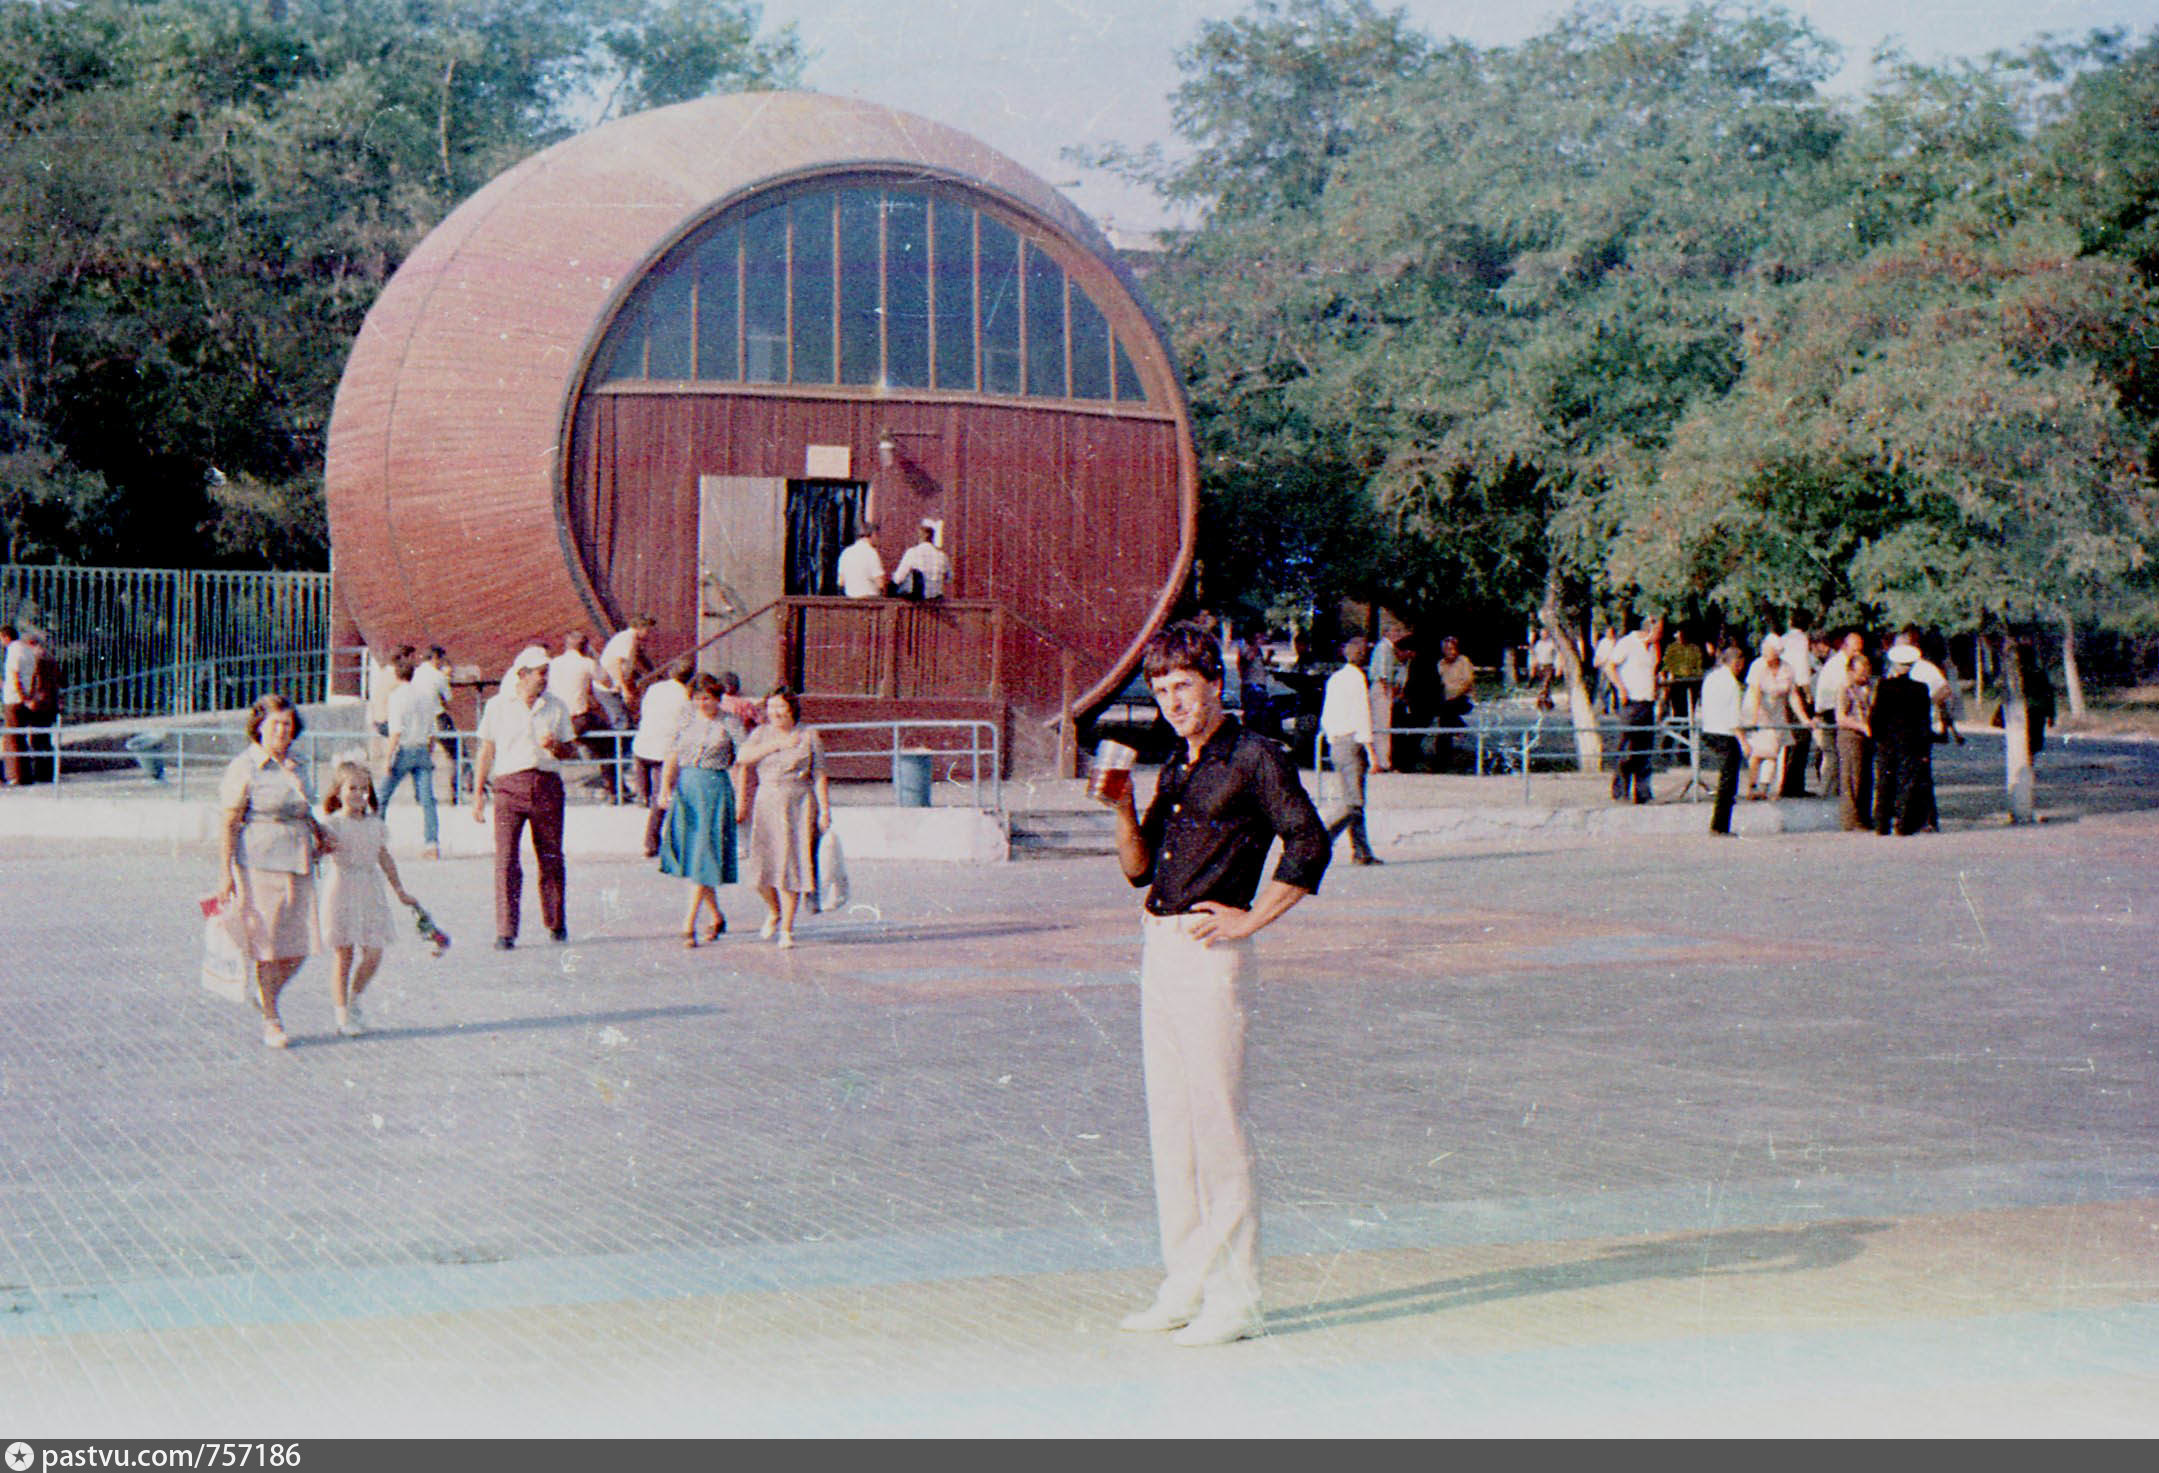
[(672, 365)]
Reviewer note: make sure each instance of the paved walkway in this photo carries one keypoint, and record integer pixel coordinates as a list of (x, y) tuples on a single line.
[(1812, 1134)]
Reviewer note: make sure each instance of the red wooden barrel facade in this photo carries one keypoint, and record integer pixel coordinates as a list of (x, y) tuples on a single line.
[(564, 371)]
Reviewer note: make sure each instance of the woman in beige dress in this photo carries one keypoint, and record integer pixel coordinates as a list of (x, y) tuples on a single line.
[(786, 799), (1769, 709), (272, 839)]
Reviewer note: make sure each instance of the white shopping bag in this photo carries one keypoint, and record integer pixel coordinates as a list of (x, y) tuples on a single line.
[(227, 968), (832, 891)]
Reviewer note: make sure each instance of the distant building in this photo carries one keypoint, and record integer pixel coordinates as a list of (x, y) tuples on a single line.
[(672, 364)]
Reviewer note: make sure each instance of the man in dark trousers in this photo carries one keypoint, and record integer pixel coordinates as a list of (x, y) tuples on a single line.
[(1903, 727), (1722, 705), (1633, 664), (525, 735), (1222, 799)]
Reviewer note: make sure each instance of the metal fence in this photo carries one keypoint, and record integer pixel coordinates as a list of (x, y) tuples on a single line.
[(167, 641), (187, 762)]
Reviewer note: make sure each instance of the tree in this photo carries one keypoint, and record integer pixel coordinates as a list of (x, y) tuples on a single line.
[(1946, 398), (1520, 268), (199, 201)]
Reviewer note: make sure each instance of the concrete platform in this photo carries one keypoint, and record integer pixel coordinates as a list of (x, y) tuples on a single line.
[(1564, 1133)]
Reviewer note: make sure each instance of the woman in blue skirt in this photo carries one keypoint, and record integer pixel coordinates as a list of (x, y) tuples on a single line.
[(698, 843)]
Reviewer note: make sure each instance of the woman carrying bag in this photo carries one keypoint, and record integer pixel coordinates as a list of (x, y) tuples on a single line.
[(272, 839), (786, 800)]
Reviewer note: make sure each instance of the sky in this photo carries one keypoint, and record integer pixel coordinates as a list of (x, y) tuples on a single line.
[(1034, 77)]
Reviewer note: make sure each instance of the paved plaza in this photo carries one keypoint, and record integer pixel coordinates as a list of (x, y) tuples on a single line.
[(1797, 1134)]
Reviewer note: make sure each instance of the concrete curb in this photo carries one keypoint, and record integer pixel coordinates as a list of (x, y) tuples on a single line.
[(956, 835)]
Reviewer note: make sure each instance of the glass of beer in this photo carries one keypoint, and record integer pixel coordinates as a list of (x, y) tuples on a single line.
[(1110, 777)]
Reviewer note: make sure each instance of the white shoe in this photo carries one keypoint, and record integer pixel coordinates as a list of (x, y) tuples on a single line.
[(787, 941), (1212, 1328), (764, 932), (273, 1036), (349, 1022), (1157, 1318)]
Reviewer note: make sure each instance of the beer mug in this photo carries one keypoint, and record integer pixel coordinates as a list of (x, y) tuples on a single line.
[(1110, 778)]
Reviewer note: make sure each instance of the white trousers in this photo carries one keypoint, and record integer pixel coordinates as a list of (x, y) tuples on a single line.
[(1192, 1036)]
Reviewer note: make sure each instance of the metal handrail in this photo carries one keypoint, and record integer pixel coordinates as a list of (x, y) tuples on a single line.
[(975, 751), (743, 622), (186, 750)]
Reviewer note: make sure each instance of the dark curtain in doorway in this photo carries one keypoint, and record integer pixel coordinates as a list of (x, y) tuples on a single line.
[(822, 518)]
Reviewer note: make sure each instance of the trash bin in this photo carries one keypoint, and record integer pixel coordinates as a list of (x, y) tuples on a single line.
[(148, 748), (911, 779)]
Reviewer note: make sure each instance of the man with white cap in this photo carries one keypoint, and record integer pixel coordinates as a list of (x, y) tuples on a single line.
[(525, 733), (1902, 724)]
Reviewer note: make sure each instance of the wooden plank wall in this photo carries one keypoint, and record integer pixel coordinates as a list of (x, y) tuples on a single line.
[(1070, 520)]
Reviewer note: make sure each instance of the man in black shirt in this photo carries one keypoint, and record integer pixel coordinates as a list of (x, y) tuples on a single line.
[(1903, 725), (1219, 804)]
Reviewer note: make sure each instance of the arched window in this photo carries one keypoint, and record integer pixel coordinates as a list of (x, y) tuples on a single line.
[(891, 286)]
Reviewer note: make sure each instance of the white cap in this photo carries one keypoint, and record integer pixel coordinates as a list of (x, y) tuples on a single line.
[(531, 657), (1903, 654)]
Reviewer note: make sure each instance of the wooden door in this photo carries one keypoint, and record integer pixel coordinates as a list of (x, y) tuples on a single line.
[(741, 569)]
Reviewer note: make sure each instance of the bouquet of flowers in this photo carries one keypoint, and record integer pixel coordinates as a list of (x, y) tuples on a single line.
[(431, 933)]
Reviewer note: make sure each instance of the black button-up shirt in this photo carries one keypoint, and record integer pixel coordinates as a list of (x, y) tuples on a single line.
[(1212, 821)]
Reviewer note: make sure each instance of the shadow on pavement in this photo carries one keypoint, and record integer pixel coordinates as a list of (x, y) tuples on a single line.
[(1769, 1250), (882, 935), (522, 1025)]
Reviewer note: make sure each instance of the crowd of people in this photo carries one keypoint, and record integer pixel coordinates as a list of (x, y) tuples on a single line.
[(1857, 718), (736, 789)]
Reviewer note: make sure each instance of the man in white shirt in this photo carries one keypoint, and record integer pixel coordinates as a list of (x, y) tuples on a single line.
[(1345, 719), (1633, 664), (569, 680), (13, 674), (432, 676), (1930, 675), (381, 681), (1384, 674), (1799, 651), (614, 687), (524, 734), (923, 568), (658, 715), (412, 711), (431, 689), (1829, 684), (861, 570), (1721, 700), (1544, 667)]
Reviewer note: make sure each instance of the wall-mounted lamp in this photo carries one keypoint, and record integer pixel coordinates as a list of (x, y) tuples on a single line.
[(889, 453)]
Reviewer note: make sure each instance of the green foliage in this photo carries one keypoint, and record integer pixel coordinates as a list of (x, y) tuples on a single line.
[(1514, 278), (1633, 313), (1271, 101), (199, 199), (1958, 450)]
